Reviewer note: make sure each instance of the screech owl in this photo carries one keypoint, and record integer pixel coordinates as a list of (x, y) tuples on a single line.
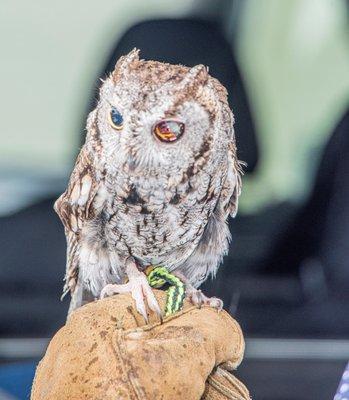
[(153, 184)]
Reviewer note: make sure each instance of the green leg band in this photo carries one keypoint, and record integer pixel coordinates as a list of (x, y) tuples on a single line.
[(175, 293)]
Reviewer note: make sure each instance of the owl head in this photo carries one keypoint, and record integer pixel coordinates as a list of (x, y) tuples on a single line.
[(154, 117)]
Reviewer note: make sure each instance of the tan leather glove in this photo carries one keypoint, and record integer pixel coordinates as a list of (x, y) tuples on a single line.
[(106, 352)]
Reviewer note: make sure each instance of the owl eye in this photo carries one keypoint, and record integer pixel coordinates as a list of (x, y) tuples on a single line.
[(115, 119), (169, 130)]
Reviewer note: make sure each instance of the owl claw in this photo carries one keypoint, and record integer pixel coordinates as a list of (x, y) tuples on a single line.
[(137, 295), (109, 290), (140, 290), (151, 299), (198, 299)]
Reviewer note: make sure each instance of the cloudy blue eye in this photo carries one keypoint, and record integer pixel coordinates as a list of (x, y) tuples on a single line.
[(115, 119)]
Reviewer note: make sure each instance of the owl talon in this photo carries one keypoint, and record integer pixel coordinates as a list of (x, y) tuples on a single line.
[(151, 299), (137, 295), (198, 299), (140, 290), (107, 291)]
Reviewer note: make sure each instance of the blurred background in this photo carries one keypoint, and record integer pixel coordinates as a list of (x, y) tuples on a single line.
[(286, 67)]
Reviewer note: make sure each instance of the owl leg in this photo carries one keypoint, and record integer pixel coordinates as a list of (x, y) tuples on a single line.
[(79, 297), (196, 296), (138, 286), (76, 299)]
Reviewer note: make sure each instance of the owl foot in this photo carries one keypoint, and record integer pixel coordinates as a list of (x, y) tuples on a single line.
[(196, 296), (199, 299), (140, 290)]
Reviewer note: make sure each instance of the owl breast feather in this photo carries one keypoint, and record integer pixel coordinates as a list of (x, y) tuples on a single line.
[(158, 224)]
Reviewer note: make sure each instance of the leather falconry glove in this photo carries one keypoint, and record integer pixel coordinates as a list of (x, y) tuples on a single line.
[(106, 351)]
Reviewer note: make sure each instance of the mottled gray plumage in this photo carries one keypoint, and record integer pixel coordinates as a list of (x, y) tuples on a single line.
[(133, 196)]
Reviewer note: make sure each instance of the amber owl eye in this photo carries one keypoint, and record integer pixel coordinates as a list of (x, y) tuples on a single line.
[(115, 119), (169, 130)]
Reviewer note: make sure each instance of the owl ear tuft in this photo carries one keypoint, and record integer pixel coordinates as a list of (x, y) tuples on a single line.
[(124, 64), (199, 73), (197, 76)]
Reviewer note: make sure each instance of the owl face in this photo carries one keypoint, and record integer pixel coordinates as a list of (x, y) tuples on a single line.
[(154, 117)]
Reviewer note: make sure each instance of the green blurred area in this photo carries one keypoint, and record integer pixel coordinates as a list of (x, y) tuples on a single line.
[(295, 58), (294, 55)]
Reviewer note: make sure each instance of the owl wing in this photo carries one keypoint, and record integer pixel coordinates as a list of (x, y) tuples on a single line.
[(79, 203), (231, 190), (214, 242)]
